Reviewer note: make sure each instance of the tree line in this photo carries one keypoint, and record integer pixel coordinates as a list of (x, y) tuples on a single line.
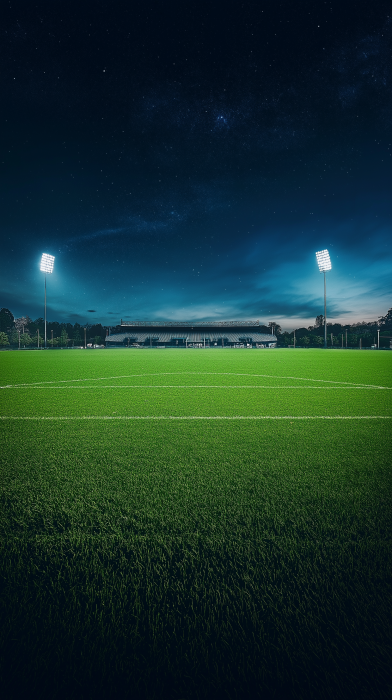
[(28, 333), (363, 333)]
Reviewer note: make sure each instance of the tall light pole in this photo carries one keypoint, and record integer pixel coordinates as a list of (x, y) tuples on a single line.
[(47, 263), (324, 263)]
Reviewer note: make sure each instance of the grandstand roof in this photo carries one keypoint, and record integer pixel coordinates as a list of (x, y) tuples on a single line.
[(190, 324)]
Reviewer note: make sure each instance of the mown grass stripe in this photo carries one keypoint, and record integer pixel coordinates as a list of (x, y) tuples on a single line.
[(195, 417)]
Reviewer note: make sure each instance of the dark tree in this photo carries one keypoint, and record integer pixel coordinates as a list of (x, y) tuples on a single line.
[(300, 332), (55, 327), (39, 323), (6, 320), (96, 331), (275, 327), (386, 321), (319, 321)]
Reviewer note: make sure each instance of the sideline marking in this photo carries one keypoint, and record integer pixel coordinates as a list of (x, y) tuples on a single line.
[(226, 374), (195, 417)]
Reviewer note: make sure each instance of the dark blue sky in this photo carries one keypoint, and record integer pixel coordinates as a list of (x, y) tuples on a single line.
[(185, 161)]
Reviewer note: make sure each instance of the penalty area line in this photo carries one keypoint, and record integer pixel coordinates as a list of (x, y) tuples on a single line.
[(291, 418), (161, 374), (196, 386)]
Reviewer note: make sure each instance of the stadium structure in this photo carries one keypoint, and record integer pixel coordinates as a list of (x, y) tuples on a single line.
[(192, 334)]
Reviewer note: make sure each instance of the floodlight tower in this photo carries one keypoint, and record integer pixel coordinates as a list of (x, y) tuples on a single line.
[(47, 263), (324, 263)]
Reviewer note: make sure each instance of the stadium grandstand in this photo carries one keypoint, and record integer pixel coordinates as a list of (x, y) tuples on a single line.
[(201, 334)]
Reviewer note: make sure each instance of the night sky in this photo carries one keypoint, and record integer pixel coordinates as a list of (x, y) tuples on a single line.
[(186, 160)]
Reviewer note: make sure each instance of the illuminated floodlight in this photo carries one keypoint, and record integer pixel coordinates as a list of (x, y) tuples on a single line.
[(324, 263), (47, 263), (323, 260)]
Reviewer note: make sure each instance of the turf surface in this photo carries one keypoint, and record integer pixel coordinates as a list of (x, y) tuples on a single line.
[(163, 538)]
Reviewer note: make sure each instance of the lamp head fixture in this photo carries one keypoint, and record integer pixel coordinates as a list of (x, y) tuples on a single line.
[(47, 263), (323, 260)]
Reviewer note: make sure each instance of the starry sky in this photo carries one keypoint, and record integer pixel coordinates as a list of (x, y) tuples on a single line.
[(185, 161)]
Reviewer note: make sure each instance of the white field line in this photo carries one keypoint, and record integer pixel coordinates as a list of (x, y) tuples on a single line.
[(226, 374), (199, 386), (291, 418)]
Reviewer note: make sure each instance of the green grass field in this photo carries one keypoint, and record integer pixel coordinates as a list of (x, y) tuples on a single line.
[(196, 524)]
